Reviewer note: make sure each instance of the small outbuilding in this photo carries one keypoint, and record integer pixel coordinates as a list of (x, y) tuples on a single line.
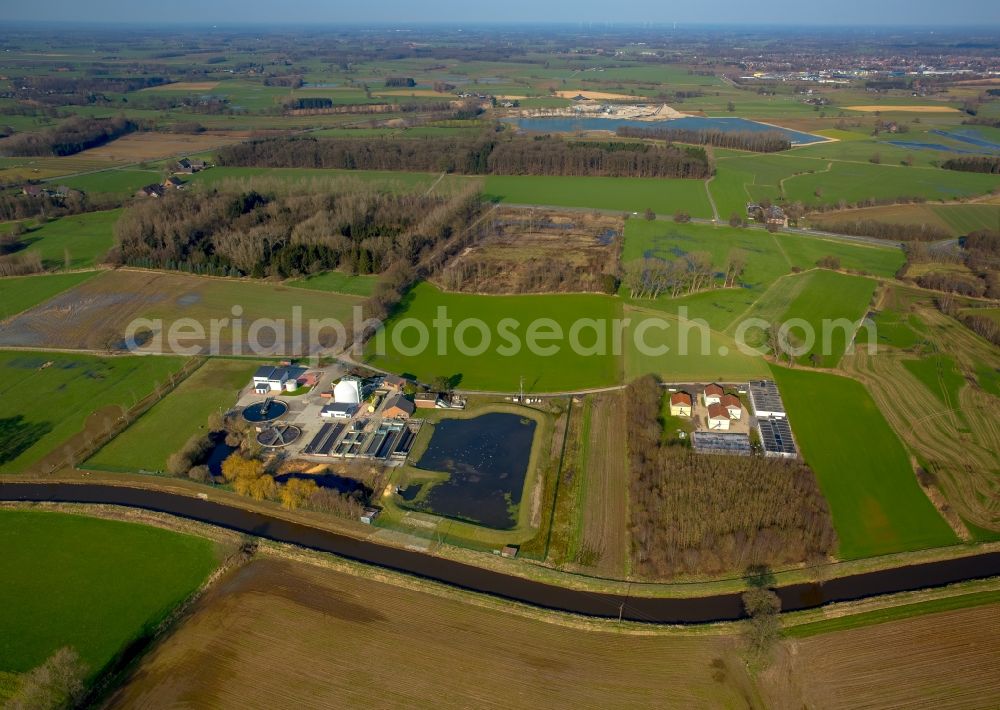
[(338, 410), (426, 400), (680, 404), (398, 407), (394, 383)]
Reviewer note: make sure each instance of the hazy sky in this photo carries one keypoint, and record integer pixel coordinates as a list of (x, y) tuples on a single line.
[(976, 13)]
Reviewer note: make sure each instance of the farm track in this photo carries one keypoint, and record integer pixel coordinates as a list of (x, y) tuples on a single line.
[(674, 610)]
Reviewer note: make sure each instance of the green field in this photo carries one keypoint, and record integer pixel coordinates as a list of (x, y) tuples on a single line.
[(381, 179), (74, 242), (689, 357), (338, 282), (95, 585), (854, 182), (829, 296), (863, 469), (768, 257), (160, 432), (493, 370), (123, 181), (48, 397), (939, 375), (663, 196), (20, 293)]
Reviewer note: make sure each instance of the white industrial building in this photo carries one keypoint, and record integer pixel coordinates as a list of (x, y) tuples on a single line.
[(347, 391)]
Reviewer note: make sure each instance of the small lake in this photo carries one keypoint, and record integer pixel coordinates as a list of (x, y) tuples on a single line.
[(487, 459), (219, 452), (331, 481), (570, 124)]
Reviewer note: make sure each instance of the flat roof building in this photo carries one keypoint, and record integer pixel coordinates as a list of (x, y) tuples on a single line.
[(766, 399)]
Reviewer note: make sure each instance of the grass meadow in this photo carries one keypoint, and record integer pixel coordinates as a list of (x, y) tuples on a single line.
[(491, 370), (19, 293), (863, 470), (338, 282), (148, 442), (74, 242), (662, 195), (95, 585), (49, 398)]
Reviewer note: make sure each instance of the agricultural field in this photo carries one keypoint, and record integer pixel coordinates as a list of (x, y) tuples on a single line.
[(139, 147), (854, 182), (663, 196), (603, 542), (95, 585), (865, 474), (931, 385), (942, 660), (768, 258), (326, 626), (19, 293), (492, 369), (118, 181), (148, 442), (828, 296), (957, 219), (97, 314), (73, 242), (73, 398)]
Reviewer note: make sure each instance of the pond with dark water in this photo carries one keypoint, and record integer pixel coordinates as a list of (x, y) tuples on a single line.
[(570, 124), (487, 461)]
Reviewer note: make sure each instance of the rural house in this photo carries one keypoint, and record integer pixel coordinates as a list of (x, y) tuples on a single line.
[(680, 404), (173, 183), (398, 407), (394, 383), (713, 394), (150, 191), (718, 418), (733, 405)]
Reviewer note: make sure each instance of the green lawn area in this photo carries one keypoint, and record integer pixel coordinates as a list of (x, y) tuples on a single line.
[(988, 378), (829, 296), (163, 430), (338, 282), (81, 240), (19, 293), (501, 366), (95, 585), (863, 469), (662, 195), (63, 395), (383, 179)]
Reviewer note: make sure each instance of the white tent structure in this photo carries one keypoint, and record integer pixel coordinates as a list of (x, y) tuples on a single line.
[(347, 391)]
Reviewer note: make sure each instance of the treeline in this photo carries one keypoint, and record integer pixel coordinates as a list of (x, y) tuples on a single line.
[(757, 141), (489, 155), (281, 233), (76, 90), (886, 230), (980, 253), (973, 164), (982, 120), (709, 514), (71, 136), (983, 326)]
